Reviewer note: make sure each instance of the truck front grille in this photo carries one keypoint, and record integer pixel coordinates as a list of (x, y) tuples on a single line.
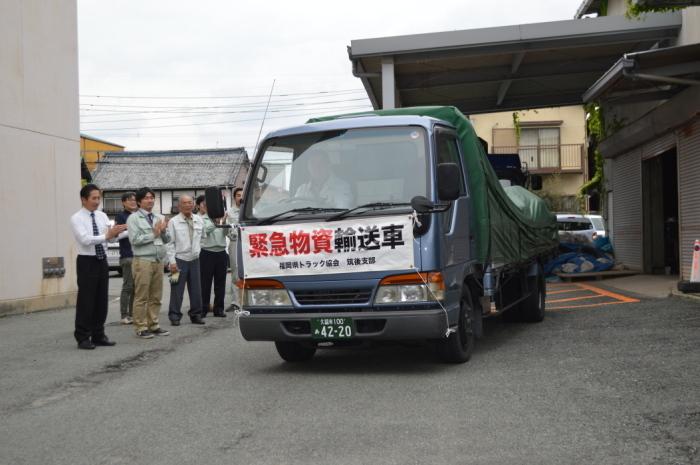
[(337, 296)]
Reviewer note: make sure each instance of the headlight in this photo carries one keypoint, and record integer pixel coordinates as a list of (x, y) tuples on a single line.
[(267, 298), (411, 288), (264, 293)]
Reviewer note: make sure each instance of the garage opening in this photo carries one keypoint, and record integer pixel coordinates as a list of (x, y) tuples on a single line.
[(660, 207)]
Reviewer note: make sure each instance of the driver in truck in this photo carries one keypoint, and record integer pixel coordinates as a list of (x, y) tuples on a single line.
[(324, 184)]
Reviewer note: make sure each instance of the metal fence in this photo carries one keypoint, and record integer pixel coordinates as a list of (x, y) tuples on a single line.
[(559, 158)]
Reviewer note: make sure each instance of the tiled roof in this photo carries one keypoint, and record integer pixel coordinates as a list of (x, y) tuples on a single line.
[(170, 169)]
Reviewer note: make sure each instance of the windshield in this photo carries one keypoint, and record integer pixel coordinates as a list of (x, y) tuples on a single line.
[(598, 223), (338, 170), (582, 225)]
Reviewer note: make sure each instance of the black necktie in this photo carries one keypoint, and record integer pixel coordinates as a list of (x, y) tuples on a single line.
[(99, 250), (150, 219)]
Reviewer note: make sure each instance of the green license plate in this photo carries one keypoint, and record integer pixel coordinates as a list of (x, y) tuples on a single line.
[(332, 328)]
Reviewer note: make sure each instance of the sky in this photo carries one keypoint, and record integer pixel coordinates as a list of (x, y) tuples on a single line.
[(157, 74)]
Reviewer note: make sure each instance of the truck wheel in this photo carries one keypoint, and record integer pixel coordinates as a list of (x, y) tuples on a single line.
[(458, 346), (533, 307), (294, 351)]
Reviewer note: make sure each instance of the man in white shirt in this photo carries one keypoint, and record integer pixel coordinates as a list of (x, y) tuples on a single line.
[(232, 218), (92, 231), (324, 185), (185, 231)]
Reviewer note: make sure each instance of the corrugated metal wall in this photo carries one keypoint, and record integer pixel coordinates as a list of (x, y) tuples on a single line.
[(689, 192), (627, 209)]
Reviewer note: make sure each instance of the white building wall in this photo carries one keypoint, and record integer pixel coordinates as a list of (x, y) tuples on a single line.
[(690, 31), (39, 150)]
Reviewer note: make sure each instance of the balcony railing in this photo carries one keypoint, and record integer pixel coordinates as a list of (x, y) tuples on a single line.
[(562, 158)]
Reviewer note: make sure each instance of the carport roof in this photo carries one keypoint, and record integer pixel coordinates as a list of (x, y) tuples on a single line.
[(506, 68), (649, 75)]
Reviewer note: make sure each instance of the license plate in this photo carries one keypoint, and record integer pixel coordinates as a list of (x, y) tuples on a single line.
[(332, 328)]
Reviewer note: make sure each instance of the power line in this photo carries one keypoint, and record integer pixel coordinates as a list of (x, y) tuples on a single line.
[(217, 97), (116, 107), (141, 128), (199, 114)]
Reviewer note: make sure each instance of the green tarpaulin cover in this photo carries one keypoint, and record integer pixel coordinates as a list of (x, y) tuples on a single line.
[(512, 224)]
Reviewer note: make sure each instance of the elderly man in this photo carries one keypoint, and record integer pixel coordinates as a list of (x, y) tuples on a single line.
[(92, 231), (185, 230)]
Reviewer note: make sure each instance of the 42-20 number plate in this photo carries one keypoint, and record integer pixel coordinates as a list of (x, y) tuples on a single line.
[(332, 328)]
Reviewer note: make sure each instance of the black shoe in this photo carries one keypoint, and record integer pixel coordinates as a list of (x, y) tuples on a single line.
[(174, 322), (233, 308), (197, 321), (86, 345), (204, 315), (104, 341), (159, 332), (144, 334), (220, 315)]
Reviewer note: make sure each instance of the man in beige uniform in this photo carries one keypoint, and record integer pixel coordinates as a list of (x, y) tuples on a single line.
[(148, 236)]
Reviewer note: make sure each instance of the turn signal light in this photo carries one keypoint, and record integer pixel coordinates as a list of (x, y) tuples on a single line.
[(259, 284)]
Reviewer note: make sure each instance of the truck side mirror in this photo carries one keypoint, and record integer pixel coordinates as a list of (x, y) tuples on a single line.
[(536, 182), (421, 205), (448, 179), (262, 174)]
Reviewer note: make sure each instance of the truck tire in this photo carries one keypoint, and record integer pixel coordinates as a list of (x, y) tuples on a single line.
[(533, 307), (294, 351), (458, 346)]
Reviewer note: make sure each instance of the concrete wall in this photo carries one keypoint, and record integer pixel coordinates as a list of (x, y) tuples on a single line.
[(39, 150), (690, 31), (617, 7)]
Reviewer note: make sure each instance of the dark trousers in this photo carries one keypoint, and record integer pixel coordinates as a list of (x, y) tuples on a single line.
[(91, 307), (213, 266), (126, 301), (190, 276)]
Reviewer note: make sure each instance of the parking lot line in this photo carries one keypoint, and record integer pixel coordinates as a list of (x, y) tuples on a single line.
[(593, 293), (600, 304), (564, 291), (571, 299), (610, 294)]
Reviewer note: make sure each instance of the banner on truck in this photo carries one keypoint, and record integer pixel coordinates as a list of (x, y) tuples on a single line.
[(352, 246)]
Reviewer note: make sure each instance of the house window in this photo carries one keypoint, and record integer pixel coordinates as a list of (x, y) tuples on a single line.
[(112, 202), (539, 147)]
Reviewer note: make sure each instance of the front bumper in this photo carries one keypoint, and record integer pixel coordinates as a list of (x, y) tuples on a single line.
[(375, 325)]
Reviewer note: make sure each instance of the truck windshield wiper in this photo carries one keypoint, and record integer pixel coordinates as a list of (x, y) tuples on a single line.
[(368, 206), (271, 219)]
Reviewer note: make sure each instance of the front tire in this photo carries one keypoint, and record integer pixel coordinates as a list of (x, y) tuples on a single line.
[(294, 351), (458, 346)]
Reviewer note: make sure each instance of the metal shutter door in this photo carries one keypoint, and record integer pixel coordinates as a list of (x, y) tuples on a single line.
[(689, 192), (627, 209), (659, 145)]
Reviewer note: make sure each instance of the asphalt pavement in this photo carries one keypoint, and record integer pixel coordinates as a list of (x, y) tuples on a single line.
[(608, 384)]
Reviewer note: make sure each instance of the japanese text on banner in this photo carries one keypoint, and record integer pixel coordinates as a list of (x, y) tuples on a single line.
[(367, 244)]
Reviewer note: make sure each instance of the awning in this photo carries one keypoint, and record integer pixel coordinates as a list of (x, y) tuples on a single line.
[(502, 68), (651, 75)]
